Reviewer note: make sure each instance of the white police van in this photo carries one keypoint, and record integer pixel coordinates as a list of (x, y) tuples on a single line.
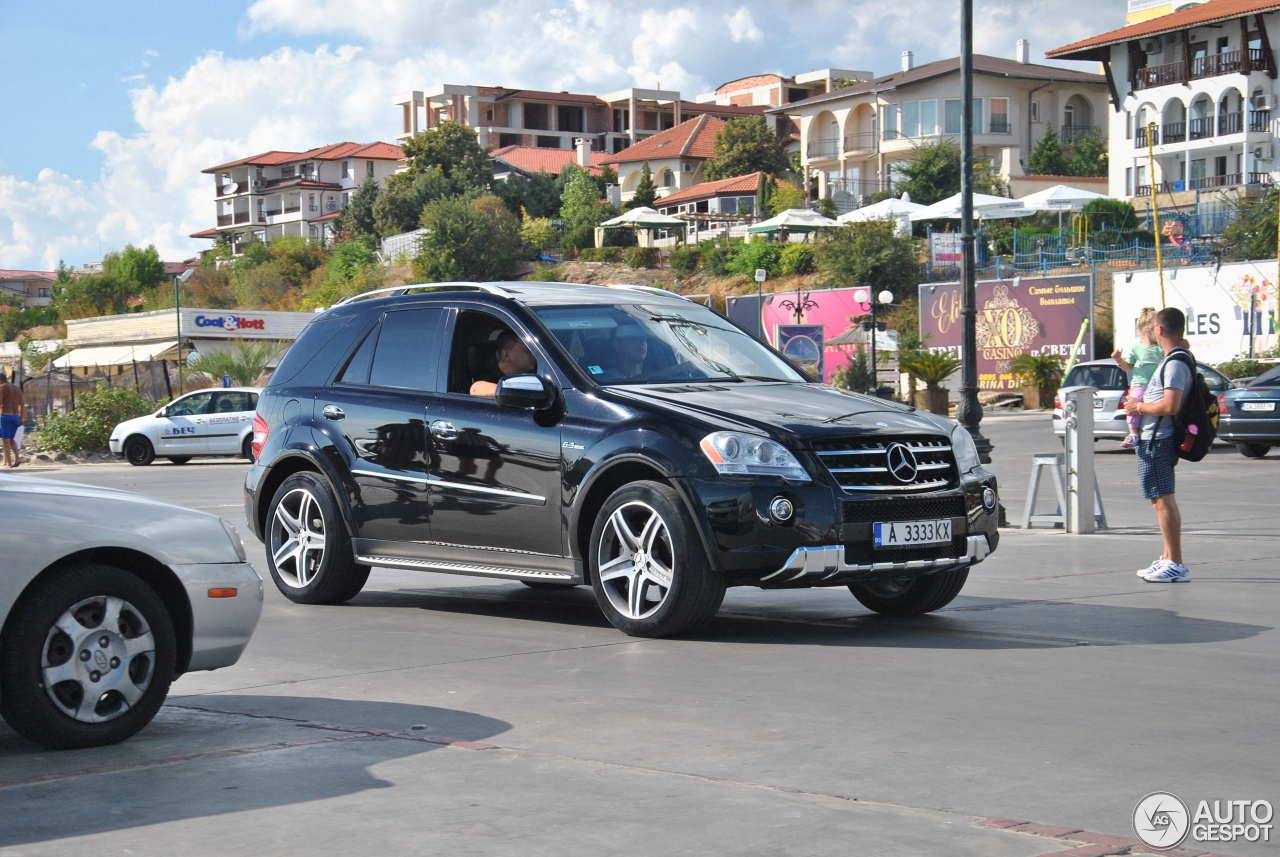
[(216, 421)]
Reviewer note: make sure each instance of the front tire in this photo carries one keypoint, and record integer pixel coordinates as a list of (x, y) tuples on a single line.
[(309, 550), (138, 451), (910, 596), (649, 572), (87, 659), (1253, 450)]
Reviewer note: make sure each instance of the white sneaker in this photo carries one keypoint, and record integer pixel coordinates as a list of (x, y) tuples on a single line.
[(1169, 572), (1155, 566)]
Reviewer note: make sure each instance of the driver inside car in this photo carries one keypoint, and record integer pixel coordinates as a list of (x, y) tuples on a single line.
[(514, 358), (631, 349)]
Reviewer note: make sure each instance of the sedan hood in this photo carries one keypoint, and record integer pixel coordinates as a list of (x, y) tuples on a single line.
[(810, 411)]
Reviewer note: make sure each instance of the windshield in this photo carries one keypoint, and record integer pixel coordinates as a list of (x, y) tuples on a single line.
[(633, 344)]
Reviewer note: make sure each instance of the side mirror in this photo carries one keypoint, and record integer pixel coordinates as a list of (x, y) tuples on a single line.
[(524, 391)]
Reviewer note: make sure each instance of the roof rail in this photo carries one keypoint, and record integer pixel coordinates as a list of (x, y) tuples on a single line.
[(401, 290), (655, 290)]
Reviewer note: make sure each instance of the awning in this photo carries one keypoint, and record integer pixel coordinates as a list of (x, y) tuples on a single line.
[(113, 355)]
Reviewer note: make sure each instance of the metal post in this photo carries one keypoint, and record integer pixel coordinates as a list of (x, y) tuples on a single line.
[(1155, 205), (177, 318), (969, 412), (875, 383), (1253, 320), (1078, 444)]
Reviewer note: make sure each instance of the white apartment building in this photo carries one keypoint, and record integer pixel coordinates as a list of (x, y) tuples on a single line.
[(1192, 93), (277, 193), (855, 138)]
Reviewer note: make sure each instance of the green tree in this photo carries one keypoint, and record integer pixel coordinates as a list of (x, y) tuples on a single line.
[(581, 209), (646, 191), (243, 361), (403, 195), (468, 240), (1252, 233), (453, 148), (1117, 215), (90, 295), (135, 269), (871, 255), (745, 145), (358, 217), (1047, 157), (537, 194), (786, 195), (827, 207), (764, 192), (1088, 156), (538, 232), (933, 173)]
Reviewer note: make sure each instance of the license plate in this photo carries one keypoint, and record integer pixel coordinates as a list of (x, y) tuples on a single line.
[(899, 534), (1258, 406), (1097, 404)]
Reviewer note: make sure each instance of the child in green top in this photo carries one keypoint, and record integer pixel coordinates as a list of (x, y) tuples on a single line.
[(1143, 358)]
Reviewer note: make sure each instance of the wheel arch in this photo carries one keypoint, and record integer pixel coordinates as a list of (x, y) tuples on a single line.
[(146, 568), (297, 461)]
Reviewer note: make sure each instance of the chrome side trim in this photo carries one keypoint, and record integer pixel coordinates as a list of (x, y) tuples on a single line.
[(427, 479), (487, 548), (827, 561), (462, 567)]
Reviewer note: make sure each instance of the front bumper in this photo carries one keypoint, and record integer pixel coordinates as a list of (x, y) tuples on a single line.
[(220, 627), (115, 446), (826, 566)]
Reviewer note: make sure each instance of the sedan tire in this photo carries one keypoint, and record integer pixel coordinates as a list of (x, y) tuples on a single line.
[(1253, 450), (649, 572), (910, 596), (138, 451), (87, 657), (309, 551)]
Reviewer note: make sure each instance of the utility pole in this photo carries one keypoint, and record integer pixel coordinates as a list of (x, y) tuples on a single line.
[(177, 318), (1152, 130), (969, 412)]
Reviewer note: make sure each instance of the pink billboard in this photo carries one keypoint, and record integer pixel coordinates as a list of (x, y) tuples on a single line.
[(834, 309)]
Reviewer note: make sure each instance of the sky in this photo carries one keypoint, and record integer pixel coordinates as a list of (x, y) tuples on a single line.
[(112, 110)]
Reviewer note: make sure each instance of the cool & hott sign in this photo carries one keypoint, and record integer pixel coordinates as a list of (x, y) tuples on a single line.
[(1026, 315)]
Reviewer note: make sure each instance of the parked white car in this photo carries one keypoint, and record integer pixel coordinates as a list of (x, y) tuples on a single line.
[(1111, 383), (216, 421), (105, 598)]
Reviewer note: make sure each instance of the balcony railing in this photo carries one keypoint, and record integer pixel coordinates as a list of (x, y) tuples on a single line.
[(242, 217), (1230, 123), (860, 141), (826, 147), (1212, 65), (1071, 133), (1259, 120), (1145, 189), (1260, 178), (1161, 75), (1174, 132), (1227, 62), (1140, 137), (1208, 182), (1200, 127), (224, 219)]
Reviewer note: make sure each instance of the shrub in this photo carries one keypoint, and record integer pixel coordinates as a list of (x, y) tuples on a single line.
[(545, 274), (797, 259), (854, 375), (1037, 370), (718, 257), (757, 254), (931, 367), (1242, 367), (685, 260), (89, 426), (641, 257), (590, 254), (611, 254)]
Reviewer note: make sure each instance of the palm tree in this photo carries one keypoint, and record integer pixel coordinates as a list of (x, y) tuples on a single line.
[(244, 361)]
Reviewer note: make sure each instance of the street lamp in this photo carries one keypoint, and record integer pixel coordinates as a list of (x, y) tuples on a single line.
[(864, 296), (802, 304), (968, 412)]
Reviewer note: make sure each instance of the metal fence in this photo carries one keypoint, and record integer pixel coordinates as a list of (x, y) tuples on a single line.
[(57, 390)]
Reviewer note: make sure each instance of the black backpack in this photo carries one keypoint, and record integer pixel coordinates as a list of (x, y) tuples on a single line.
[(1195, 426)]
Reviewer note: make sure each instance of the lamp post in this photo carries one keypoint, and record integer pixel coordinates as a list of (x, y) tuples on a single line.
[(802, 304), (884, 297), (969, 412)]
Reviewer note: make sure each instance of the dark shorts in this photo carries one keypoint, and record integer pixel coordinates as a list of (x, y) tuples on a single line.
[(9, 425), (1155, 467)]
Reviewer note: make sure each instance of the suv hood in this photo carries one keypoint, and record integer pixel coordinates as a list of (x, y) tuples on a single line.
[(808, 411)]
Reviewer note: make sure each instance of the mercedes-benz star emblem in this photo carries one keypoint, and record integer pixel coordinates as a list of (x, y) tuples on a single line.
[(901, 462)]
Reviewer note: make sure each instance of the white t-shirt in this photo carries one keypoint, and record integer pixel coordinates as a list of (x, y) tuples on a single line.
[(1171, 373)]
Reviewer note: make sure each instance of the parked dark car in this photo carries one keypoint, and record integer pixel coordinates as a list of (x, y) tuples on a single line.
[(1250, 418), (652, 450)]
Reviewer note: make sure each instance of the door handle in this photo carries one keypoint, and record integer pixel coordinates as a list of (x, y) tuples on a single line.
[(443, 430), (333, 412)]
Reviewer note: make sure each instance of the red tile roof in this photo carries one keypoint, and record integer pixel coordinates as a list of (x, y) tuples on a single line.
[(10, 274), (540, 95), (331, 152), (751, 81), (530, 159), (333, 215), (692, 138), (205, 233), (736, 185), (1204, 13), (173, 269), (698, 107)]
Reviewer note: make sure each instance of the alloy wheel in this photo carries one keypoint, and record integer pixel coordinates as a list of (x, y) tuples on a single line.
[(635, 560), (297, 538), (98, 659)]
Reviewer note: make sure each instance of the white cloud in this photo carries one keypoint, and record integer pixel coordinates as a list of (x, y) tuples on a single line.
[(742, 27), (133, 78), (150, 188)]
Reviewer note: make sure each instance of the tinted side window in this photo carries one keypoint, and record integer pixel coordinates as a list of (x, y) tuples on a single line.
[(357, 368), (1270, 378), (407, 349), (193, 405)]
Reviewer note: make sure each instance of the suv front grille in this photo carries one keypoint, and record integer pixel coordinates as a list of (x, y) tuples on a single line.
[(903, 509), (862, 464)]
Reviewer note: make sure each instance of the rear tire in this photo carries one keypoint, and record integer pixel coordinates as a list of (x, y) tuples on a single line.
[(309, 551), (672, 587), (1253, 450), (905, 596), (179, 459), (47, 690), (138, 451)]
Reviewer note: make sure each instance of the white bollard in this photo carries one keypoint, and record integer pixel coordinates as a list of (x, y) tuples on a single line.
[(1078, 440)]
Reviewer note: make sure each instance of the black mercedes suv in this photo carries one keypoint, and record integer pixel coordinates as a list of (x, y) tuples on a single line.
[(620, 437)]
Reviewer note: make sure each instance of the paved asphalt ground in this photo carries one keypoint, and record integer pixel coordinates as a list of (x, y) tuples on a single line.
[(459, 716)]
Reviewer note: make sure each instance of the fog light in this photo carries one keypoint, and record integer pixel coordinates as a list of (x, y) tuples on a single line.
[(781, 509), (988, 498)]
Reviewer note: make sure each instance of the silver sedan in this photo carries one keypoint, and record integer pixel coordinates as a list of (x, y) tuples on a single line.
[(105, 598)]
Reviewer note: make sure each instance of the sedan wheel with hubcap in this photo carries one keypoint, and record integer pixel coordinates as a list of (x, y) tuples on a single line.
[(309, 551), (139, 452)]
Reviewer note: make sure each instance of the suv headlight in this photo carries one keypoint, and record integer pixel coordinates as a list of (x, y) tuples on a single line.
[(965, 450), (741, 454), (236, 542)]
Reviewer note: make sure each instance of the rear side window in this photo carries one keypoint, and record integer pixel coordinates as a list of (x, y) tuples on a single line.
[(1270, 378), (234, 401), (357, 368), (407, 349), (1099, 377)]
